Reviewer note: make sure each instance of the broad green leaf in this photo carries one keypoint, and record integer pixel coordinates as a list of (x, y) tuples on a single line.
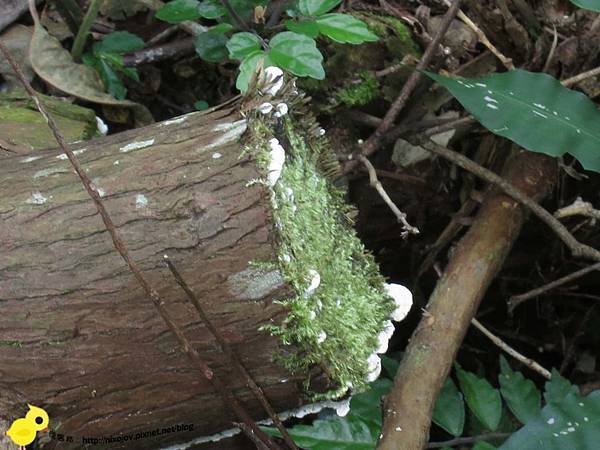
[(210, 46), (297, 54), (359, 430), (345, 29), (571, 424), (558, 388), (482, 445), (222, 28), (211, 9), (307, 27), (389, 366), (593, 5), (316, 7), (483, 400), (522, 396), (242, 44), (449, 410), (119, 42), (534, 110), (178, 11), (247, 68)]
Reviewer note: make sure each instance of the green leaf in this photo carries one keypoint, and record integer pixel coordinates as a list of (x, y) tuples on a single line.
[(210, 46), (297, 54), (211, 9), (242, 44), (248, 66), (534, 110), (482, 445), (483, 400), (592, 5), (345, 29), (573, 423), (178, 11), (119, 42), (558, 388), (316, 7), (201, 105), (306, 27), (389, 366), (522, 396), (449, 410), (222, 28), (359, 430)]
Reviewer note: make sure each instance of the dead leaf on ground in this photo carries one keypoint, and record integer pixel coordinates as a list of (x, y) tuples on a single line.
[(16, 39), (55, 66)]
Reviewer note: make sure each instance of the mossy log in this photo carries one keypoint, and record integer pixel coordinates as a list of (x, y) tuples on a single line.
[(79, 338)]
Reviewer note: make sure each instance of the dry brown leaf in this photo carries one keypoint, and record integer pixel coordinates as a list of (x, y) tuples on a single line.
[(16, 39), (55, 66)]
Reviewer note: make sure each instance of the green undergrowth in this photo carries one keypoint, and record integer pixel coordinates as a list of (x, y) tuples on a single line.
[(336, 327)]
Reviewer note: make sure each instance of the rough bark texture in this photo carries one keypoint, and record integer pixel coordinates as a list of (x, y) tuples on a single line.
[(77, 335), (454, 302)]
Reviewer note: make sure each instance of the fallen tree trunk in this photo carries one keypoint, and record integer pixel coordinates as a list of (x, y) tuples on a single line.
[(77, 332), (472, 267), (79, 338)]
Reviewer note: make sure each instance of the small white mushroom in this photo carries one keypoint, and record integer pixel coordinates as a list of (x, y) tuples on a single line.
[(265, 108), (274, 80), (315, 281), (321, 337), (276, 163), (403, 299)]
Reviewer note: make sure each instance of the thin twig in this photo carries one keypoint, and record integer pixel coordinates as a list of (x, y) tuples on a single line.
[(577, 248), (511, 351), (578, 208), (516, 300), (375, 140), (226, 348), (406, 227), (580, 77), (551, 52), (121, 248), (236, 17), (507, 62), (467, 440)]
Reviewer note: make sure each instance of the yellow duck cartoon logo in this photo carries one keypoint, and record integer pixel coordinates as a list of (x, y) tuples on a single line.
[(23, 431)]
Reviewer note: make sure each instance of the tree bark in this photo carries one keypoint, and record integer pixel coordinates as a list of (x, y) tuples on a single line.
[(77, 335)]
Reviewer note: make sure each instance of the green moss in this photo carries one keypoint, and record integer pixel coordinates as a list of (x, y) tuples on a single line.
[(361, 93), (17, 344), (335, 327), (396, 35)]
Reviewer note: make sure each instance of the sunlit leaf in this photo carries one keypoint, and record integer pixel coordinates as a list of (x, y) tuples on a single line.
[(316, 7), (307, 27), (345, 29), (242, 44), (297, 54)]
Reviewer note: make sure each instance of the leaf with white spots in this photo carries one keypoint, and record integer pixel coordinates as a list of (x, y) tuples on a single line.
[(573, 423), (534, 110)]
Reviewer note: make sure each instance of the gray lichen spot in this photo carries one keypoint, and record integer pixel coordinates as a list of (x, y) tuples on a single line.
[(136, 145), (254, 283), (232, 131), (50, 171)]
